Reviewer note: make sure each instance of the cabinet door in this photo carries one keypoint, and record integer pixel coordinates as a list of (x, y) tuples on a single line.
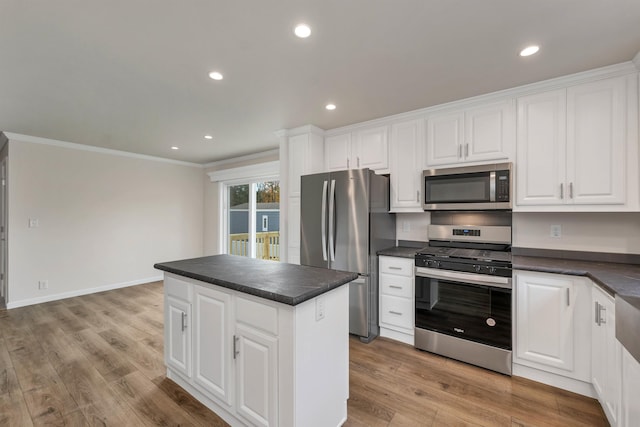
[(212, 343), (406, 166), (541, 149), (489, 132), (177, 335), (257, 373), (337, 152), (544, 320), (596, 132), (370, 149), (630, 410), (605, 355), (444, 139)]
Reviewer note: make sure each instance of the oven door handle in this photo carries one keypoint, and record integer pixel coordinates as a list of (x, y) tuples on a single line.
[(475, 279)]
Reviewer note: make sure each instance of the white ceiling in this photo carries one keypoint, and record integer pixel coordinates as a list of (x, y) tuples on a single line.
[(132, 75)]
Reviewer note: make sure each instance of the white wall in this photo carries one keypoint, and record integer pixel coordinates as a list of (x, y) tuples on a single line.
[(586, 231), (412, 226), (104, 218)]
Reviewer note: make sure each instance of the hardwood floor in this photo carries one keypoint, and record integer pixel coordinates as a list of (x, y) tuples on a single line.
[(97, 360)]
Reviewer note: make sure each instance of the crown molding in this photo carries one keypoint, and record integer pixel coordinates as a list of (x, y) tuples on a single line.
[(260, 170), (16, 137), (301, 130), (254, 156)]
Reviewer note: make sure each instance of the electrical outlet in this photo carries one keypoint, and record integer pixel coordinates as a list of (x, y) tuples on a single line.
[(320, 308), (43, 284), (406, 226), (556, 231), (34, 223)]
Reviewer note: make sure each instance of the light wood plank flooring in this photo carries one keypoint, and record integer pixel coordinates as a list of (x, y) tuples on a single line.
[(97, 360)]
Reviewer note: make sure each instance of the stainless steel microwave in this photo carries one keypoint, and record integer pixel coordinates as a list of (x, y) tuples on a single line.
[(483, 187)]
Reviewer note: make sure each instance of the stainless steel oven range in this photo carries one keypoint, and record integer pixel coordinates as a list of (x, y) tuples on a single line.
[(463, 295)]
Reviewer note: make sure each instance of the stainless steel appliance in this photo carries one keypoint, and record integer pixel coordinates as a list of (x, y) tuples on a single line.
[(463, 295), (344, 221), (482, 187)]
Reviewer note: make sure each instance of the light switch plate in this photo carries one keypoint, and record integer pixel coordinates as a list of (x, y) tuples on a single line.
[(556, 231)]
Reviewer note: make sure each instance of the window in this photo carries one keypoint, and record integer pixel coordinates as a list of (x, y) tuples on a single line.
[(253, 219)]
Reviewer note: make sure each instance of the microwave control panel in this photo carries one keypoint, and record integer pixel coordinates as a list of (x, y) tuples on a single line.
[(502, 186)]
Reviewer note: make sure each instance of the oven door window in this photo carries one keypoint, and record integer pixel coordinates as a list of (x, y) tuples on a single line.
[(473, 312), (464, 188)]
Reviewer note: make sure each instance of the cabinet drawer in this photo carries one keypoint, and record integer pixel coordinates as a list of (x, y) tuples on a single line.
[(396, 311), (400, 286), (258, 315), (397, 266)]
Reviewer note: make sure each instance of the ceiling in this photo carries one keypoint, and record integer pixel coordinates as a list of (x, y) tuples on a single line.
[(132, 75)]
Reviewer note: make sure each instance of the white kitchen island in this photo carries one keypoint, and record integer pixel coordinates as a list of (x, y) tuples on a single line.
[(259, 342)]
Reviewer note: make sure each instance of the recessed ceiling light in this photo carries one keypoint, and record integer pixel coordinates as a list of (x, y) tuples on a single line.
[(302, 30), (215, 75), (174, 148), (208, 137), (529, 50), (330, 106)]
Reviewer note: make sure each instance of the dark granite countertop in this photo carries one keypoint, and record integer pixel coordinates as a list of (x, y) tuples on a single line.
[(277, 281), (399, 251), (615, 278)]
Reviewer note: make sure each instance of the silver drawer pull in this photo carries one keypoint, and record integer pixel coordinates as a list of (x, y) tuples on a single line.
[(395, 312), (395, 286), (395, 268)]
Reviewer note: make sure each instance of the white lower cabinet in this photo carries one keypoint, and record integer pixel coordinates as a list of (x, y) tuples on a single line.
[(396, 284), (605, 354), (630, 408), (212, 340), (258, 362), (552, 329), (177, 331)]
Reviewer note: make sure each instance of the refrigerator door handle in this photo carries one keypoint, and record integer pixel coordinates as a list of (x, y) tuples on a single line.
[(332, 214), (323, 221)]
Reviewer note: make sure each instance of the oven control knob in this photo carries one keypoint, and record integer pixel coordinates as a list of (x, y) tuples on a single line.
[(477, 268), (492, 270)]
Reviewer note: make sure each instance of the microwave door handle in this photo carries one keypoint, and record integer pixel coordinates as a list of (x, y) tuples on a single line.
[(492, 186), (323, 221)]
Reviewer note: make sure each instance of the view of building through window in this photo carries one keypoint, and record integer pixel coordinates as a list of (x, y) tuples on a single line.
[(254, 220)]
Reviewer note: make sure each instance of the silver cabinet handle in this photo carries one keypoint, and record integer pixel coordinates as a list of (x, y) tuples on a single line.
[(391, 267), (235, 346), (395, 286), (395, 312), (459, 150), (358, 159), (184, 321), (571, 190), (323, 221), (561, 190), (466, 150), (418, 196), (568, 297), (597, 313), (347, 163)]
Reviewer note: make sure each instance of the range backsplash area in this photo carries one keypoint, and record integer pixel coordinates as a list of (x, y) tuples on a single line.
[(579, 231)]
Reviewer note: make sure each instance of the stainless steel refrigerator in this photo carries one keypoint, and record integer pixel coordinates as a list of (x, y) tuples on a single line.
[(344, 221)]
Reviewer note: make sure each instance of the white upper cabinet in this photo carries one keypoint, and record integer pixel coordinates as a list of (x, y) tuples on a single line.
[(573, 149), (365, 148), (406, 166), (481, 133)]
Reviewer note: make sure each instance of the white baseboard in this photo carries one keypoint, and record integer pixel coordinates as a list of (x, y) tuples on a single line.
[(559, 381), (398, 336), (80, 292)]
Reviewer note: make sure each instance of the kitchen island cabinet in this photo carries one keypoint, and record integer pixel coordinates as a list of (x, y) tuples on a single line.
[(259, 342)]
